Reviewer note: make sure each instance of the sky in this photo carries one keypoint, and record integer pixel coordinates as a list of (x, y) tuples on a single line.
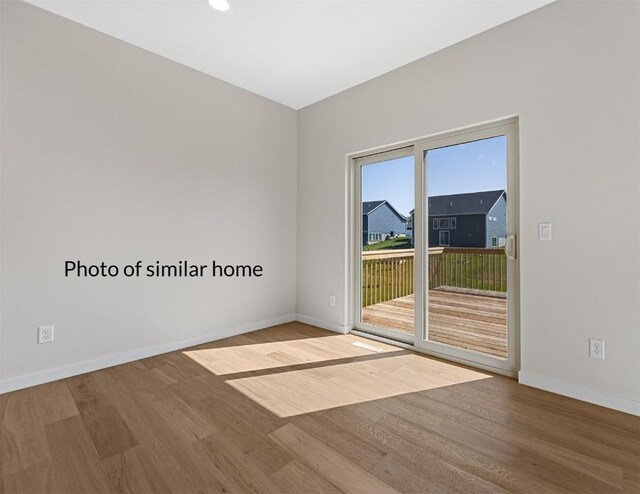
[(469, 167)]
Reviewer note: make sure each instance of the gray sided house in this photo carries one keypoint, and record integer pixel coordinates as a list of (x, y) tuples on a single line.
[(381, 220), (476, 219)]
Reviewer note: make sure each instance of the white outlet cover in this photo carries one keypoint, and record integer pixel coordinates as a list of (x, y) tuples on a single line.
[(596, 349), (45, 334), (544, 231)]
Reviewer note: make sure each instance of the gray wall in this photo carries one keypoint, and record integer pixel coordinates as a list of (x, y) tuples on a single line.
[(571, 71), (497, 228), (111, 153)]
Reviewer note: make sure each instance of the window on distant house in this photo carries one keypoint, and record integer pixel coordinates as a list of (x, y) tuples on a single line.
[(494, 241), (443, 238), (435, 223), (453, 223), (443, 224)]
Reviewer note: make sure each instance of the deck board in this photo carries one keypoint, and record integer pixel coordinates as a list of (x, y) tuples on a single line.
[(470, 321)]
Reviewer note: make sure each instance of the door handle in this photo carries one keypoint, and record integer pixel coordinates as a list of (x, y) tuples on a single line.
[(511, 247)]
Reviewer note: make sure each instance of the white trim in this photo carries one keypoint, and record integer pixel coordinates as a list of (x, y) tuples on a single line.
[(62, 372), (401, 146), (353, 249), (413, 348), (579, 392), (385, 332), (319, 323)]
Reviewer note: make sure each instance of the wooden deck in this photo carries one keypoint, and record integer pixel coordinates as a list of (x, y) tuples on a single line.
[(471, 321)]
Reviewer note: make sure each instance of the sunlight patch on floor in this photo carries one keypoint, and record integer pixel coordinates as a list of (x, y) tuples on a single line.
[(309, 390), (261, 356)]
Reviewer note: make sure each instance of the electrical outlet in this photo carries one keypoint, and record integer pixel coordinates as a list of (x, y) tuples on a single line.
[(544, 231), (596, 349), (45, 334), (332, 300)]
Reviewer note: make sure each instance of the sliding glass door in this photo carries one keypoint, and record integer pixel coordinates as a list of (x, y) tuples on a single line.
[(443, 277), (385, 248), (468, 199)]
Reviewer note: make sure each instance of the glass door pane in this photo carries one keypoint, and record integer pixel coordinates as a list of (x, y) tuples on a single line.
[(386, 247), (466, 233)]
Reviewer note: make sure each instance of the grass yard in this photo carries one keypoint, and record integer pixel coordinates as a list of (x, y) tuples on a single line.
[(475, 271), (393, 243)]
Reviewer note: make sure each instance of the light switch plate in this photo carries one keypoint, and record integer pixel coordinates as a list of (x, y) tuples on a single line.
[(544, 231)]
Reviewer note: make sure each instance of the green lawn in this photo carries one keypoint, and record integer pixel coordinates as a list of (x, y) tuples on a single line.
[(480, 272), (393, 243)]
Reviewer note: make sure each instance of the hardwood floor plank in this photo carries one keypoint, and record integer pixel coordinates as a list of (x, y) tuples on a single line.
[(337, 469), (316, 414), (75, 465), (108, 431), (497, 438), (186, 421), (23, 442), (244, 436), (184, 470), (464, 458), (394, 470), (34, 479), (233, 470), (296, 477), (55, 402), (135, 471), (341, 439)]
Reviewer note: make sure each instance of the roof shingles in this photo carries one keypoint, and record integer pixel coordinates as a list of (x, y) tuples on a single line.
[(470, 203)]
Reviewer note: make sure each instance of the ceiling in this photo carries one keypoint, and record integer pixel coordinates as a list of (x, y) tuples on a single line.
[(295, 52)]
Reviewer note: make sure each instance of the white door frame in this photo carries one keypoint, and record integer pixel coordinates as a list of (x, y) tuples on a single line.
[(505, 126)]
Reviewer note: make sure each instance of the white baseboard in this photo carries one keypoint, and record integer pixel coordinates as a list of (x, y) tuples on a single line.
[(41, 377), (312, 321), (579, 392)]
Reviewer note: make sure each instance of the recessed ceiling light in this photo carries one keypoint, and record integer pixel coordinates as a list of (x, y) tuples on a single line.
[(221, 5)]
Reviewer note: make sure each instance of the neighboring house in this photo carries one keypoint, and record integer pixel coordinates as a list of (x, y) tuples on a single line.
[(476, 219), (410, 221), (381, 220)]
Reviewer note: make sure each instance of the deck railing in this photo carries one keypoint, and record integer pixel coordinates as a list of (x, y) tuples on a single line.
[(389, 274), (386, 274), (474, 269)]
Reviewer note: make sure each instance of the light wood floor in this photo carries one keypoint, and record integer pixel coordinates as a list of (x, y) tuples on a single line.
[(296, 409), (466, 320)]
